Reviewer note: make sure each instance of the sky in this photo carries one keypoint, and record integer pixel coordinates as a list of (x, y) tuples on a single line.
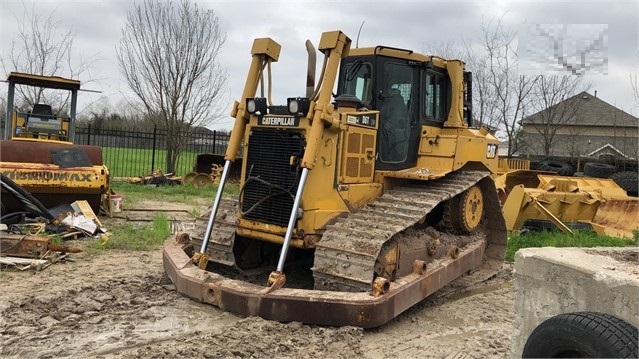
[(412, 25)]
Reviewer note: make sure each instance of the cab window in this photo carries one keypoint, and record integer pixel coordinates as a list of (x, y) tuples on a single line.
[(358, 82), (435, 87), (395, 117)]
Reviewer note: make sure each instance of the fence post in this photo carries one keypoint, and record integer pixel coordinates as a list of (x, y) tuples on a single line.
[(155, 132), (89, 135), (214, 142)]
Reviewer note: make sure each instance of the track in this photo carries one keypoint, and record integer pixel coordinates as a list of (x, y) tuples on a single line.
[(346, 258), (220, 246)]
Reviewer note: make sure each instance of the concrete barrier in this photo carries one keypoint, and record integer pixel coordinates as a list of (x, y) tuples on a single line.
[(552, 281)]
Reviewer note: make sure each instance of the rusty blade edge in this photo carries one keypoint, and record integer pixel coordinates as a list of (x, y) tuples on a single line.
[(313, 306)]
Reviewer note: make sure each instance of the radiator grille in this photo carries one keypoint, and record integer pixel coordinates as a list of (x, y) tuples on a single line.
[(271, 183)]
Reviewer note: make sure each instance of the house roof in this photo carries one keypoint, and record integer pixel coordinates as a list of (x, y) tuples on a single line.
[(590, 111), (200, 130), (610, 147)]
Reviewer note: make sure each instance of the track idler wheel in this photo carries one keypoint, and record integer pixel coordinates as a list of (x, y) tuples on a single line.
[(466, 210)]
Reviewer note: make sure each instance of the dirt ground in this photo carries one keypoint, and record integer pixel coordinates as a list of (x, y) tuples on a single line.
[(122, 305)]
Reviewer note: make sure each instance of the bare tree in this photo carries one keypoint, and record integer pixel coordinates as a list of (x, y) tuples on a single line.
[(44, 46), (635, 87), (510, 92), (556, 106), (573, 143), (169, 56), (622, 132), (3, 111), (483, 97), (484, 101)]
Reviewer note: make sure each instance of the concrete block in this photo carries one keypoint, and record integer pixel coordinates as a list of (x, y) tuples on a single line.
[(551, 281)]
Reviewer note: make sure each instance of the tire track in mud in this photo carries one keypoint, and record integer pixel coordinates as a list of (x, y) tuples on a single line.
[(257, 338), (121, 305), (107, 315), (471, 317)]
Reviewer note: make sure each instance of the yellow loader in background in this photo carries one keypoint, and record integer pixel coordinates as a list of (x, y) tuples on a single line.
[(39, 155)]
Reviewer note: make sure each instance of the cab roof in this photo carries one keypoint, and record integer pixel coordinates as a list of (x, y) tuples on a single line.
[(54, 82)]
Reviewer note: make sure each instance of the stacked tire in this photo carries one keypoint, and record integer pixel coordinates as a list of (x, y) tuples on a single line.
[(599, 170), (628, 180), (562, 168)]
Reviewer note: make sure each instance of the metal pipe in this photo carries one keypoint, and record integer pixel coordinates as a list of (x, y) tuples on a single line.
[(310, 69), (74, 104), (270, 82), (8, 121), (291, 220), (216, 205)]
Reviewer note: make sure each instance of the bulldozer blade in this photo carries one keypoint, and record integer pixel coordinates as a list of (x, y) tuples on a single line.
[(618, 217), (320, 307), (553, 218), (605, 206)]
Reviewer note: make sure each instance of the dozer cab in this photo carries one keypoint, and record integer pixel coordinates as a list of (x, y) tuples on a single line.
[(352, 207), (39, 155)]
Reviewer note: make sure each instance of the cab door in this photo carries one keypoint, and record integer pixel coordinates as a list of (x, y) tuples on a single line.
[(397, 101)]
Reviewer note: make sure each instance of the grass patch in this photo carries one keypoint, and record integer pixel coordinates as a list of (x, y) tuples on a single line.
[(151, 236), (135, 162), (556, 238), (129, 237), (185, 193)]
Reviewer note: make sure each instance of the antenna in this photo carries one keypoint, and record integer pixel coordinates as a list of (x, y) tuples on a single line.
[(358, 32)]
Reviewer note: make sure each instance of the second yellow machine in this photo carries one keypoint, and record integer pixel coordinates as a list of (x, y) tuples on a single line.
[(355, 205)]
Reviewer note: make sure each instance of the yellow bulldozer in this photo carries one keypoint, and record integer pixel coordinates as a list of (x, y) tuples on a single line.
[(38, 157), (352, 206)]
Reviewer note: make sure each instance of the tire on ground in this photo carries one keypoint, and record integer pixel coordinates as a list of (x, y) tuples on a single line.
[(598, 170), (628, 180), (562, 168), (582, 335)]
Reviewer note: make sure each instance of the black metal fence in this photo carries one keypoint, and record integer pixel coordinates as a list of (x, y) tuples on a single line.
[(132, 153)]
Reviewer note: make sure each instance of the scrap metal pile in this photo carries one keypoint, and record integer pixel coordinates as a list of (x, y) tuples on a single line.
[(32, 238), (156, 178)]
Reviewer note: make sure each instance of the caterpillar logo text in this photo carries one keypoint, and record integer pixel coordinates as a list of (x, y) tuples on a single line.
[(279, 121)]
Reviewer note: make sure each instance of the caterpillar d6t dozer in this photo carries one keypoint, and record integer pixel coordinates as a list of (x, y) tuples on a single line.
[(354, 208), (39, 155)]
